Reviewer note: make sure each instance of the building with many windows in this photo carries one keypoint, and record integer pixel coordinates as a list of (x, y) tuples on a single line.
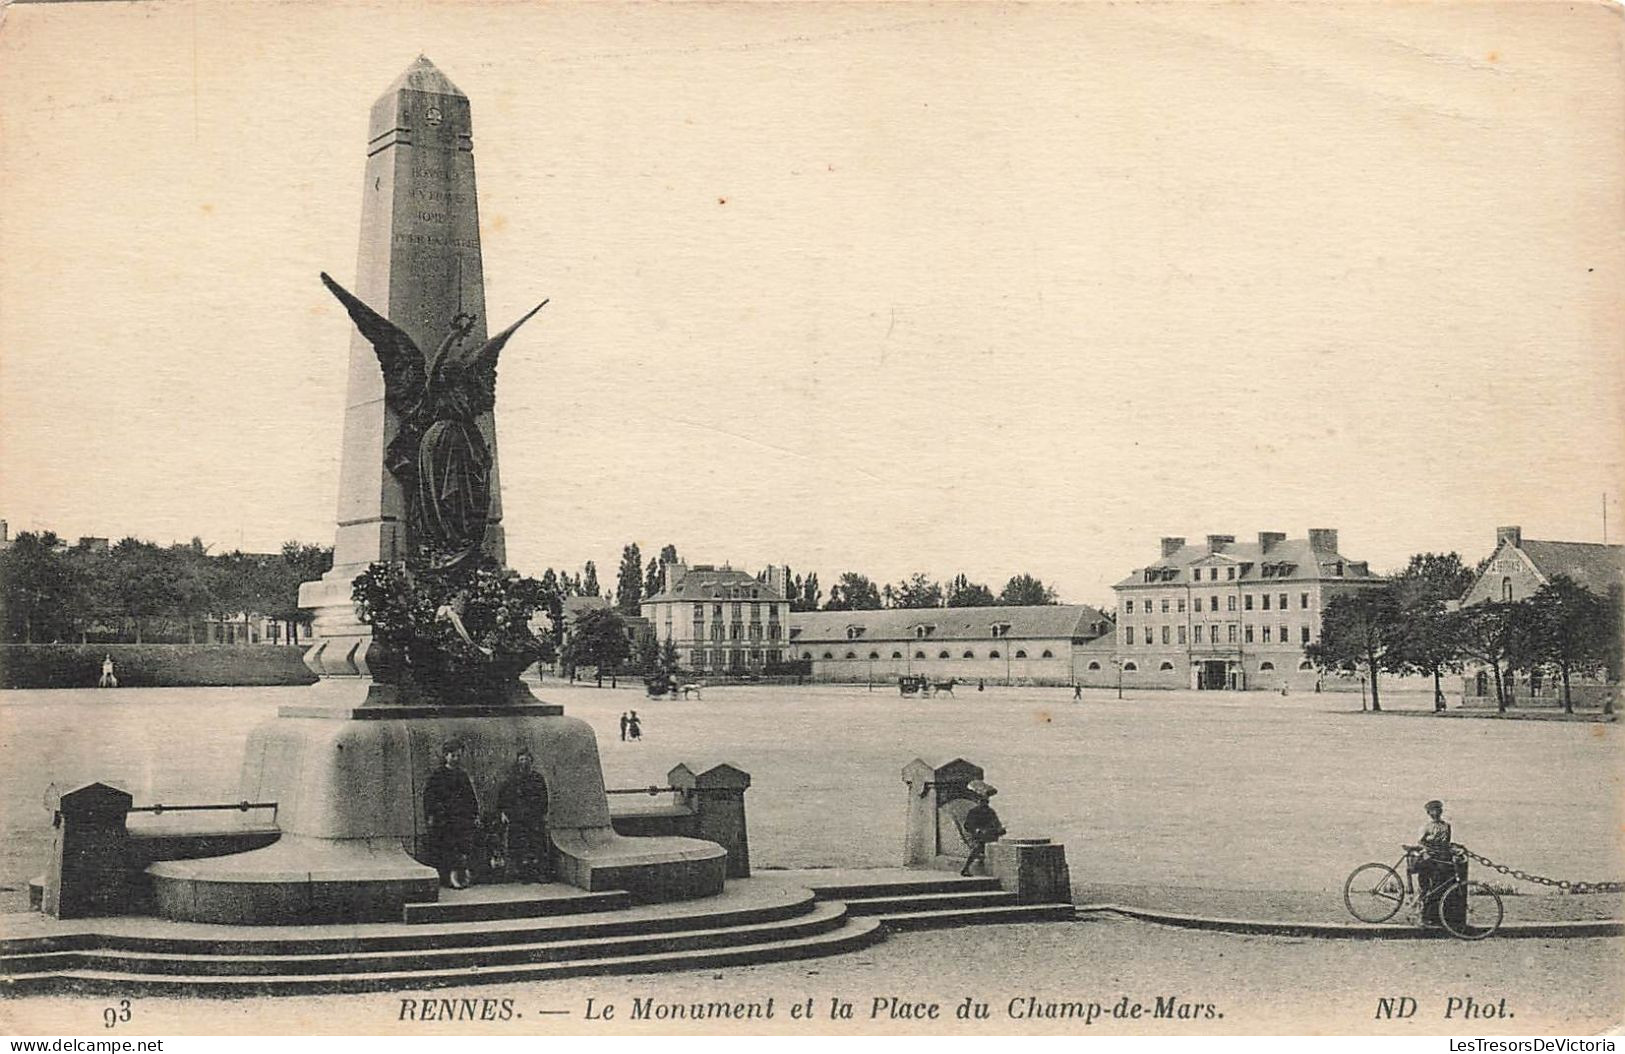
[(719, 619), (1037, 644), (1227, 615)]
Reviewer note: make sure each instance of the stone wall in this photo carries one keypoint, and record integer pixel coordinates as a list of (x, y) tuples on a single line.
[(151, 665)]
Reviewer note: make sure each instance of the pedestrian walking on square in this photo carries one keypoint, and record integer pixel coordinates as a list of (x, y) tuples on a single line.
[(108, 680), (1077, 693), (634, 726), (625, 721), (981, 823)]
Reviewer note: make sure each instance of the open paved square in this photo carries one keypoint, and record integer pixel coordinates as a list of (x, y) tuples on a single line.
[(1214, 790)]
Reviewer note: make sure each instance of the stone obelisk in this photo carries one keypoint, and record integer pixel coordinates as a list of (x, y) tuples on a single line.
[(420, 265)]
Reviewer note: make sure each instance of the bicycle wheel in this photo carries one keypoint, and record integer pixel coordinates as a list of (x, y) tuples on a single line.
[(1470, 910), (1374, 893)]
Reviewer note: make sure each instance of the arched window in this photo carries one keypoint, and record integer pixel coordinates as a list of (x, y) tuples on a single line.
[(1094, 665), (968, 654), (827, 655), (919, 655), (1021, 653), (806, 655), (1263, 666), (874, 655), (943, 654), (851, 655), (1506, 590), (1129, 667), (994, 654), (897, 655), (1048, 654), (1305, 666), (1166, 666)]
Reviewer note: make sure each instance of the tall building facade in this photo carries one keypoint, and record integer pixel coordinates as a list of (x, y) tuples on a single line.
[(720, 620), (1227, 614)]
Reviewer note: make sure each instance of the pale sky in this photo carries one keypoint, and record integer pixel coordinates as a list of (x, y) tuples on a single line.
[(885, 288)]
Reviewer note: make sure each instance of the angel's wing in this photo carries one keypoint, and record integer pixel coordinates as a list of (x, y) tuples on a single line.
[(481, 363), (400, 358)]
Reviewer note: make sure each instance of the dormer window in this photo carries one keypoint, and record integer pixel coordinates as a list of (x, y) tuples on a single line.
[(1002, 628)]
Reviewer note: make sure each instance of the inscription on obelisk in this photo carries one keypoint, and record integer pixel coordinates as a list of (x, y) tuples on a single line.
[(420, 256)]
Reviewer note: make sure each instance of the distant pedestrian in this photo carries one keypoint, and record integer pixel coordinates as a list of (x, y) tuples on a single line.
[(108, 680), (625, 721), (981, 824), (981, 684), (1077, 693), (634, 726)]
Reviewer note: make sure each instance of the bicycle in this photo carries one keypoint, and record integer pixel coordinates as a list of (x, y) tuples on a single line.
[(1468, 910)]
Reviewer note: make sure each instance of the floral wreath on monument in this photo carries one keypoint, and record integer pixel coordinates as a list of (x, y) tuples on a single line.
[(466, 621)]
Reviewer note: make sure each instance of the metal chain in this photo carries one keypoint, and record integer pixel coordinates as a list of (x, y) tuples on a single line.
[(1540, 880)]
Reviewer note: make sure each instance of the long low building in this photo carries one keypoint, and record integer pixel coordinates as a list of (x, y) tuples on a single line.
[(1041, 644)]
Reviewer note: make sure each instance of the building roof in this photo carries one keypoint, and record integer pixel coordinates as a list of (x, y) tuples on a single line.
[(712, 583), (1593, 565), (1025, 622), (1305, 562), (578, 605)]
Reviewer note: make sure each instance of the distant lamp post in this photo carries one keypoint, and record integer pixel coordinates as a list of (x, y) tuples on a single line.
[(1362, 691)]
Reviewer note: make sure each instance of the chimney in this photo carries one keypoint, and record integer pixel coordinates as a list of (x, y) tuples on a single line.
[(1268, 540), (1323, 539), (1509, 534), (774, 576), (1215, 542), (674, 574), (1170, 546)]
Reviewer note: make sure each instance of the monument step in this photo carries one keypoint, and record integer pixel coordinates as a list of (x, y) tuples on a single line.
[(893, 905), (480, 910), (224, 940), (822, 919), (854, 934), (909, 887), (1001, 914)]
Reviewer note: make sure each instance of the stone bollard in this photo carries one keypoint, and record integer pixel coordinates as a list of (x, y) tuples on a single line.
[(936, 798), (717, 797), (1034, 869), (89, 872)]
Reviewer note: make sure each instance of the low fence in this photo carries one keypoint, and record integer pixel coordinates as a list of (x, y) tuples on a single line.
[(152, 665)]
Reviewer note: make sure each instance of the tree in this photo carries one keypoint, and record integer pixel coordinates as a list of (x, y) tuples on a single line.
[(299, 562), (587, 582), (963, 593), (917, 591), (1358, 634), (853, 592), (652, 579), (810, 593), (629, 581), (1572, 629), (1024, 589), (146, 584), (1424, 590), (668, 554), (597, 638), (39, 590), (1496, 633)]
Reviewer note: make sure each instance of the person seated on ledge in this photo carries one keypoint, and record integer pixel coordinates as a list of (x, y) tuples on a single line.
[(522, 811), (1436, 866), (451, 812), (981, 824)]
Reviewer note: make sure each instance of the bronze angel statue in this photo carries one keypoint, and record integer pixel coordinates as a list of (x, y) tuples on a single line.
[(438, 455)]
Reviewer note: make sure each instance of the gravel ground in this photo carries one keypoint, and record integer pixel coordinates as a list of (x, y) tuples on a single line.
[(1171, 789), (1252, 984), (1287, 905)]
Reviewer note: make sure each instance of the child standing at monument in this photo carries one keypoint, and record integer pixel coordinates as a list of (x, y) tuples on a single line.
[(982, 824)]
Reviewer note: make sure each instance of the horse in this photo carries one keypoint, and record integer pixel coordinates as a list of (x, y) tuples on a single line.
[(690, 689), (945, 686)]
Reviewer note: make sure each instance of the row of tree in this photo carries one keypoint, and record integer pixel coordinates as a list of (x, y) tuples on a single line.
[(50, 591), (1413, 625)]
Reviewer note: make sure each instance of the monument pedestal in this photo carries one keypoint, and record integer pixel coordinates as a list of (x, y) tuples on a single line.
[(348, 781)]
